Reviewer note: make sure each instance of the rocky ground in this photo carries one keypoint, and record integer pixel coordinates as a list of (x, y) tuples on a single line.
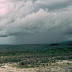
[(60, 66)]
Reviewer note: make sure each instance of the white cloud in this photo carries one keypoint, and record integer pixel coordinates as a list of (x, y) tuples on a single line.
[(39, 22), (34, 22)]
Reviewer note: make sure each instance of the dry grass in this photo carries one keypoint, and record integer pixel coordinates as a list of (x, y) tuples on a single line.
[(61, 66)]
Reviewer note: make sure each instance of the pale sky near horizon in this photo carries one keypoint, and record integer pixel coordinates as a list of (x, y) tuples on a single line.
[(35, 21)]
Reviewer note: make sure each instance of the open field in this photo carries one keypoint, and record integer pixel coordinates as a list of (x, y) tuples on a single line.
[(33, 57)]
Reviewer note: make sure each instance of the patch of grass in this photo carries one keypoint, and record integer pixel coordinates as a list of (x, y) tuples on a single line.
[(37, 62), (9, 59)]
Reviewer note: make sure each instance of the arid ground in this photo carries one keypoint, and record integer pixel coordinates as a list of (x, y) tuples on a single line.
[(60, 66)]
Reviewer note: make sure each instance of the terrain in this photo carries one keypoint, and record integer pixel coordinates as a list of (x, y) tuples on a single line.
[(55, 57)]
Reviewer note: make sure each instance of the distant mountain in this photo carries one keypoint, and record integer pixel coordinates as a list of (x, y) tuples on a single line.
[(67, 44)]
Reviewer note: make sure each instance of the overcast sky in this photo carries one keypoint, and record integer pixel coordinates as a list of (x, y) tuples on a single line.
[(35, 21)]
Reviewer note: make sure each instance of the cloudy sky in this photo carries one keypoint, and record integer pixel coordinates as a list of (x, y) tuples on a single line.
[(35, 21)]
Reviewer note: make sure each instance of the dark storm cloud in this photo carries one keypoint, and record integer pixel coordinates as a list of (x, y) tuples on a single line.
[(36, 21), (68, 32), (58, 5)]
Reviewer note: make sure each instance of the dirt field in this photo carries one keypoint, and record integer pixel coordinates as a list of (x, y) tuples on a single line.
[(60, 66)]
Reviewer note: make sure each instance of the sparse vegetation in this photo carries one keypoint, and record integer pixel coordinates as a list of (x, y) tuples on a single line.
[(35, 55)]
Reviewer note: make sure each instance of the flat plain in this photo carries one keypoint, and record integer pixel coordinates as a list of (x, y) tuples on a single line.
[(56, 57)]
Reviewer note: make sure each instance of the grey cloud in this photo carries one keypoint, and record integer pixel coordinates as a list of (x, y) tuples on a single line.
[(39, 22), (3, 34), (56, 5), (30, 20), (68, 32)]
